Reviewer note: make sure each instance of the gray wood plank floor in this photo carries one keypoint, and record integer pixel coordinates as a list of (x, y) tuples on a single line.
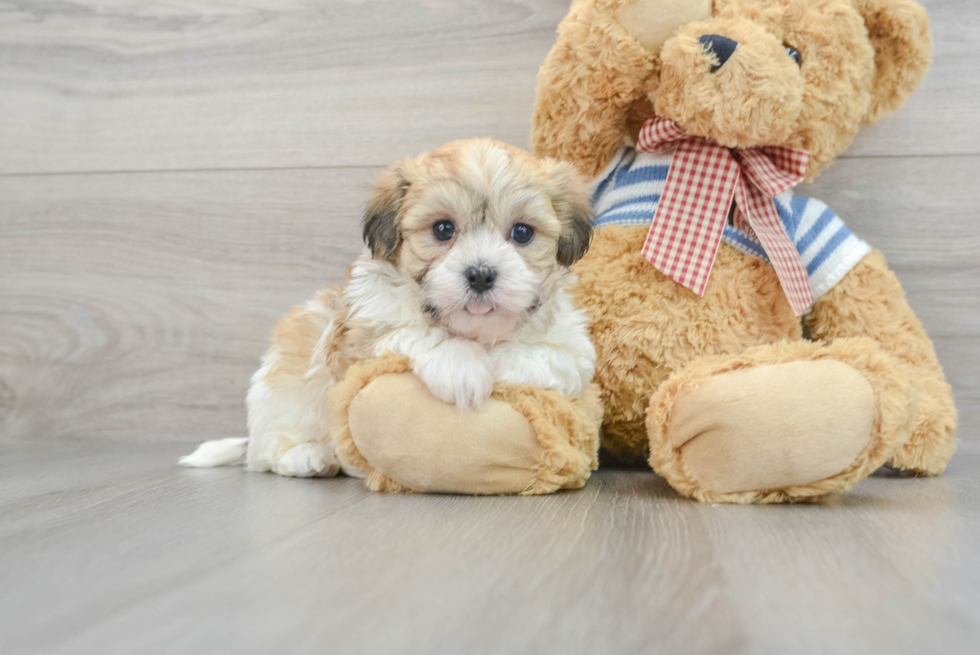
[(109, 548)]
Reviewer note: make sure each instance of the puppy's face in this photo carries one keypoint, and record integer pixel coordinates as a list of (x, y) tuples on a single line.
[(485, 231)]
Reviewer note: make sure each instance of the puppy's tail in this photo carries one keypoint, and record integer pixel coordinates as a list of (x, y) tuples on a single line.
[(220, 452)]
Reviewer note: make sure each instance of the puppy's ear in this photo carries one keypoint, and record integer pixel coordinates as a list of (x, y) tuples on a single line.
[(381, 223), (899, 32), (573, 205)]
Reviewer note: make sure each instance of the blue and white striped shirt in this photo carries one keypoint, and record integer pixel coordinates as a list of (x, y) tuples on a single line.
[(628, 191)]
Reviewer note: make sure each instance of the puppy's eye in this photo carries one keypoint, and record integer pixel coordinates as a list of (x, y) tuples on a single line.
[(794, 54), (444, 230), (522, 233)]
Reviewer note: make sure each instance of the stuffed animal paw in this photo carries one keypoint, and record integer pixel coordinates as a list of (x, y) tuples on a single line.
[(522, 440)]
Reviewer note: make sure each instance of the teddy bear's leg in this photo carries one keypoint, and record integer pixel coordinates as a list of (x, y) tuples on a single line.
[(870, 302), (521, 441), (788, 421)]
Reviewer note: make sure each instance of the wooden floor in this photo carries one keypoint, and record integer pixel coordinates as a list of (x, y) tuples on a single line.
[(174, 175), (109, 548)]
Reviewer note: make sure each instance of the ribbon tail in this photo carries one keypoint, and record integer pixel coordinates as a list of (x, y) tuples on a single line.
[(774, 169), (687, 228), (696, 281), (761, 213)]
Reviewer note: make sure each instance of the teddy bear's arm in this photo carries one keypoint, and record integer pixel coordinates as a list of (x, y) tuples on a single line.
[(591, 77), (523, 440), (869, 301)]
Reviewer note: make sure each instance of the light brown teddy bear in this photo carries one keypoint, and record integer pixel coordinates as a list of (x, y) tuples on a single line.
[(695, 119)]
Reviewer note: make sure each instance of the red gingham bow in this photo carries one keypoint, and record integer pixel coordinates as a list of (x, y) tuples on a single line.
[(693, 210)]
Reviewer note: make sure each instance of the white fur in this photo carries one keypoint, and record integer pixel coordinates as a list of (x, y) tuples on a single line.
[(514, 291), (457, 371), (550, 351), (531, 334), (289, 427), (220, 452)]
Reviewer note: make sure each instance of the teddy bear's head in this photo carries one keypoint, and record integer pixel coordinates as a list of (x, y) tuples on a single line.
[(801, 73)]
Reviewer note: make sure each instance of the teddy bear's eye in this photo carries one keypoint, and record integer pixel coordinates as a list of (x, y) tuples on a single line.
[(794, 54)]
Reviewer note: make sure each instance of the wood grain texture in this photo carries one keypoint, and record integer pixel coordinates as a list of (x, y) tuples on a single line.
[(940, 118), (177, 84), (110, 548), (103, 85), (136, 306)]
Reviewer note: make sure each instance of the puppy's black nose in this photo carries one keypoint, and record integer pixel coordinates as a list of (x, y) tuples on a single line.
[(721, 46), (480, 278)]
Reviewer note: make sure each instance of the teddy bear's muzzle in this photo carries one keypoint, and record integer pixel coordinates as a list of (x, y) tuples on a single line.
[(731, 81)]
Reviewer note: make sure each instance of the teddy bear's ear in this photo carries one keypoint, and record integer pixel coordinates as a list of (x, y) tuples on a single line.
[(652, 22), (380, 224), (899, 31), (573, 205)]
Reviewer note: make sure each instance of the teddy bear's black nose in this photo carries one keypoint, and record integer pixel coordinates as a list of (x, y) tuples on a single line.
[(722, 47)]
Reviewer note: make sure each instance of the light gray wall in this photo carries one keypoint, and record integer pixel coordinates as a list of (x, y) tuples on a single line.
[(175, 175)]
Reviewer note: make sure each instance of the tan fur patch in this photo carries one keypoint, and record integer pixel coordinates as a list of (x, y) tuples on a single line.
[(481, 182), (475, 182), (595, 87), (296, 336), (482, 190), (645, 326), (860, 60)]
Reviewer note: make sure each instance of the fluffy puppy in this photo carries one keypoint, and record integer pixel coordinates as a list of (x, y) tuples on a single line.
[(465, 274)]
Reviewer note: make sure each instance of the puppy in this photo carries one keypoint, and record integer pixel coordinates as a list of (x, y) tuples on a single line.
[(468, 251)]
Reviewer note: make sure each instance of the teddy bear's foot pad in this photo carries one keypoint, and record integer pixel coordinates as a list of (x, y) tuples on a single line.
[(523, 440), (774, 427), (428, 445)]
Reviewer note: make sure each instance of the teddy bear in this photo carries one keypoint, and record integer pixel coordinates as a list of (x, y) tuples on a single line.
[(750, 347)]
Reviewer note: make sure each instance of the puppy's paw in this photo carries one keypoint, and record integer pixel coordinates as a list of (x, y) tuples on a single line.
[(307, 460), (459, 372), (545, 368)]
